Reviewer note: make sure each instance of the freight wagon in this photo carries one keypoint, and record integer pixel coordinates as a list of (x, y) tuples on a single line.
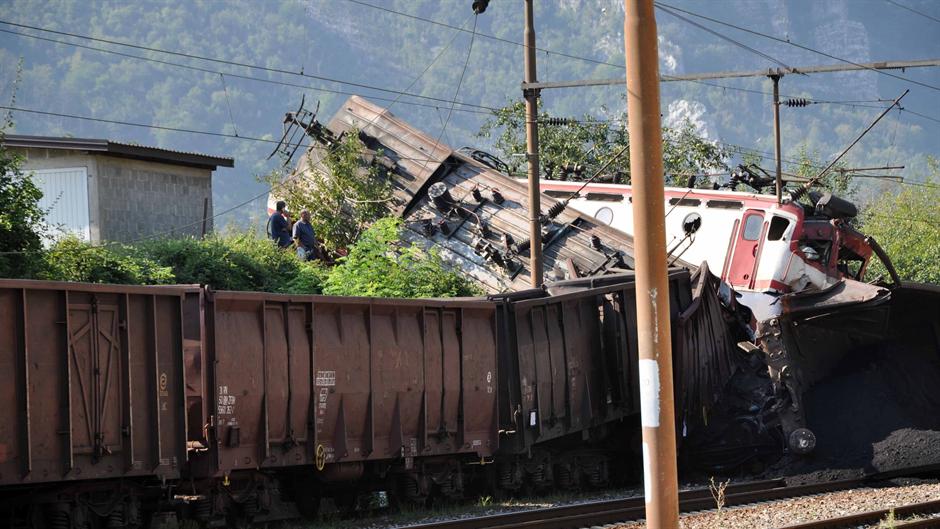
[(126, 402)]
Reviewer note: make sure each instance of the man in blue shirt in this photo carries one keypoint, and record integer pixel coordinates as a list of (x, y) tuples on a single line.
[(279, 226), (305, 238)]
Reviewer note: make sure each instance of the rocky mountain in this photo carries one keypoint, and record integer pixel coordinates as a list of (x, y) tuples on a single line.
[(304, 45)]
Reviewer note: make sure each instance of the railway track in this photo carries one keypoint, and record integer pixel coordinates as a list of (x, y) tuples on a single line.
[(632, 509), (874, 517)]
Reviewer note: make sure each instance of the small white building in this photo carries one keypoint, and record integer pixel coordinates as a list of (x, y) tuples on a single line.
[(104, 190)]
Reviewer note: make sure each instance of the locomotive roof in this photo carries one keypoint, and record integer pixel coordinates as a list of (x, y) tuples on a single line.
[(576, 245)]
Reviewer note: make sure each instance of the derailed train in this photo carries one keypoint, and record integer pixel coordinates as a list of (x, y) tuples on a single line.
[(796, 274), (125, 403)]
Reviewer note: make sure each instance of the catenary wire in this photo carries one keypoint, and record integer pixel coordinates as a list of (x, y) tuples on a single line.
[(729, 39), (456, 90), (484, 35), (159, 127), (478, 109), (487, 110), (912, 10), (661, 5), (234, 63)]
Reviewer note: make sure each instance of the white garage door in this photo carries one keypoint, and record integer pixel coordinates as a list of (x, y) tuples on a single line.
[(65, 196)]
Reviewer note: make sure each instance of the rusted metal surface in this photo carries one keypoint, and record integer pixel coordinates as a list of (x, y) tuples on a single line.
[(376, 379), (97, 380), (415, 154), (569, 358), (703, 350)]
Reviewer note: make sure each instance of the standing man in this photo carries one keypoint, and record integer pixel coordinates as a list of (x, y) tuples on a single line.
[(304, 237), (279, 226)]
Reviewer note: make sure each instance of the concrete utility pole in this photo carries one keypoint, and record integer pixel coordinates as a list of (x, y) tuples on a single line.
[(779, 174), (652, 286), (532, 148)]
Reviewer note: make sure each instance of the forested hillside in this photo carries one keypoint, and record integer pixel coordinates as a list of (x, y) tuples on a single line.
[(305, 43)]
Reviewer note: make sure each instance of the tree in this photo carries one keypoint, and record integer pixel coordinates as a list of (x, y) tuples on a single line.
[(381, 264), (343, 192), (905, 224), (837, 180), (586, 144), (21, 219)]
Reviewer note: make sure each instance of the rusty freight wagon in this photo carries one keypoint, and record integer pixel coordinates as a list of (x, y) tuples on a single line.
[(109, 408), (128, 402)]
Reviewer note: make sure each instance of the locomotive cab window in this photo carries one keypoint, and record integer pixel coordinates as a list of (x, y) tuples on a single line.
[(752, 227), (778, 228)]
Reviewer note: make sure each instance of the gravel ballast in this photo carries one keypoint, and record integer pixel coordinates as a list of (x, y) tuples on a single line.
[(799, 510)]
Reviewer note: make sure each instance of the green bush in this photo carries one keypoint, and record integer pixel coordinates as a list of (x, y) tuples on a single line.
[(235, 261), (381, 265), (378, 265), (71, 259)]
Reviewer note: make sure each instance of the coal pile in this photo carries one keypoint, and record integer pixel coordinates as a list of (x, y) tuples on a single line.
[(880, 411)]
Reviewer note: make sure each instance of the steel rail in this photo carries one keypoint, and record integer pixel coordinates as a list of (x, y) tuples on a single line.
[(631, 509), (873, 517)]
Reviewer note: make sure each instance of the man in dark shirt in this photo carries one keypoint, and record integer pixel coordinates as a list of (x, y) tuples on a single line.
[(305, 238), (280, 226)]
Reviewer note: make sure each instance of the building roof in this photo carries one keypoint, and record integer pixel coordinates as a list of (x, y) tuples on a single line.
[(120, 149)]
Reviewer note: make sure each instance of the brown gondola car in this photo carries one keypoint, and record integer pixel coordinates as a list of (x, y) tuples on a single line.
[(126, 401), (101, 383)]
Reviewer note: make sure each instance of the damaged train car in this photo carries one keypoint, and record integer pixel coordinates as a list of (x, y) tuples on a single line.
[(798, 272), (476, 218)]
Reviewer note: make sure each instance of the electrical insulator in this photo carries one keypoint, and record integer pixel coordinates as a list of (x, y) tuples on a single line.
[(596, 243), (479, 6), (796, 102), (497, 257), (477, 195), (485, 230), (523, 245), (428, 228), (559, 122), (441, 197), (508, 241), (444, 227), (556, 209), (498, 197)]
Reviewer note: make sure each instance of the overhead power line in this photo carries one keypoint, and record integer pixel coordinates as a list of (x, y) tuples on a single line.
[(160, 127), (234, 75), (728, 39), (796, 45), (300, 73), (463, 72), (699, 77), (912, 10), (484, 35)]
